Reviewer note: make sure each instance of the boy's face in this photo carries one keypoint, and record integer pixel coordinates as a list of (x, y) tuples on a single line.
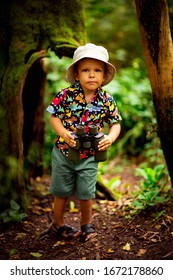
[(91, 74)]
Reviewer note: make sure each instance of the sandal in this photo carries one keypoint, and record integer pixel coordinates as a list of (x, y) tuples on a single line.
[(88, 232), (66, 231)]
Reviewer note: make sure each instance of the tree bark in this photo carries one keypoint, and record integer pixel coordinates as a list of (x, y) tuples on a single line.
[(34, 124), (28, 29), (154, 26)]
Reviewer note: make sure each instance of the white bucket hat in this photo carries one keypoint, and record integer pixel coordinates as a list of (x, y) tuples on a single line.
[(95, 52)]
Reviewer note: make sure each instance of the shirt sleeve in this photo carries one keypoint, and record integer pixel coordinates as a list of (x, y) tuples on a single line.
[(56, 107), (112, 113)]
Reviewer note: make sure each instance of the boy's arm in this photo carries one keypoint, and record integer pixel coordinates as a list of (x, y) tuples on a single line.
[(62, 131), (113, 134)]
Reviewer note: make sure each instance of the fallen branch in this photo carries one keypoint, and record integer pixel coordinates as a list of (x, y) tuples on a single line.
[(108, 194)]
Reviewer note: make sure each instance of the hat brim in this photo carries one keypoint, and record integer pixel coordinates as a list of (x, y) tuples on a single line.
[(109, 75)]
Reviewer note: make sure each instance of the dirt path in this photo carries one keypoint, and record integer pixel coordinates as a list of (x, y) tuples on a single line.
[(145, 236)]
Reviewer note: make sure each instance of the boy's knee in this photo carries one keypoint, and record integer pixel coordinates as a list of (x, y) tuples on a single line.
[(85, 194)]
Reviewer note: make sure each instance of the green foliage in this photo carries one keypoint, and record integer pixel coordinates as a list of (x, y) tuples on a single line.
[(56, 80), (56, 73), (111, 184), (14, 213), (12, 252), (153, 156), (153, 188), (132, 92), (114, 25)]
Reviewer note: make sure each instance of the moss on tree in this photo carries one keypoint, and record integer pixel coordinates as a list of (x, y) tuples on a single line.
[(28, 30)]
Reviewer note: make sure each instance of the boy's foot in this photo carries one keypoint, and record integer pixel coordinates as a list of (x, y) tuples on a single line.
[(88, 232), (66, 231)]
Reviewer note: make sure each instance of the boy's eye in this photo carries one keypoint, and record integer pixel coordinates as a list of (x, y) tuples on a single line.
[(96, 70)]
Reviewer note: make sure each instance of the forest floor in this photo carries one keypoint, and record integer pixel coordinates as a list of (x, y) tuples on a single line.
[(144, 236)]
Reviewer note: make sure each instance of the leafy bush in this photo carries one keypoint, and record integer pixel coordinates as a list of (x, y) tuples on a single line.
[(153, 189), (14, 213)]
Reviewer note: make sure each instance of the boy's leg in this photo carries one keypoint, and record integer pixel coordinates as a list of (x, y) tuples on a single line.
[(88, 229), (62, 229), (86, 211), (59, 208), (85, 191), (62, 186)]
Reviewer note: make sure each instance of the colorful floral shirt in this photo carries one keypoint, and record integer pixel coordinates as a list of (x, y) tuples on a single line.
[(71, 107)]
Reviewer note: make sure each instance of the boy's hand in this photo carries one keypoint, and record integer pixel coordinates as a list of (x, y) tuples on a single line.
[(68, 138), (105, 143)]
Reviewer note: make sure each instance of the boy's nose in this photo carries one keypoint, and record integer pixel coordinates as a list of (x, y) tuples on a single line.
[(91, 73)]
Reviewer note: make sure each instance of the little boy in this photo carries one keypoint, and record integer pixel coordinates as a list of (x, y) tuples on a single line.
[(84, 103)]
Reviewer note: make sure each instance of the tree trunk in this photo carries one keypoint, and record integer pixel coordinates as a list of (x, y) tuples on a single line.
[(156, 38), (28, 30), (34, 125)]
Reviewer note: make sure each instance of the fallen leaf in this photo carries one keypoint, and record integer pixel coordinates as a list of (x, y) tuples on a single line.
[(20, 235), (103, 201), (141, 252), (34, 201), (153, 239), (37, 212), (110, 250), (158, 227), (112, 203), (12, 252), (59, 243), (73, 209), (169, 218), (47, 209), (126, 247), (128, 202), (172, 233), (118, 226), (36, 255), (95, 207)]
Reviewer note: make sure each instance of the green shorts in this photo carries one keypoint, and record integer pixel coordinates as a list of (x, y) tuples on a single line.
[(70, 178)]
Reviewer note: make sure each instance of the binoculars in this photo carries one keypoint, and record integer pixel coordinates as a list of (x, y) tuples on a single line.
[(87, 140)]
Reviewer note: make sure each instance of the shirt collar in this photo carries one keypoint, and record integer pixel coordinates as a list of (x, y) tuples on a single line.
[(78, 88)]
